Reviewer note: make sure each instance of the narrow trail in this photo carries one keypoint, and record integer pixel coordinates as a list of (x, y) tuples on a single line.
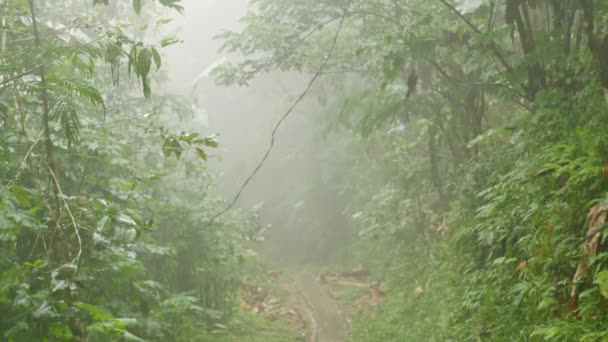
[(328, 320)]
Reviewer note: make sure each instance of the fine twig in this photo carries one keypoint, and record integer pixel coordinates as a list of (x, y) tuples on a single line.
[(42, 65), (461, 16), (476, 83), (69, 211), (22, 165), (21, 75), (593, 233), (493, 46)]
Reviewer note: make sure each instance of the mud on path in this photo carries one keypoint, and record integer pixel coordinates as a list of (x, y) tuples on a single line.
[(327, 321)]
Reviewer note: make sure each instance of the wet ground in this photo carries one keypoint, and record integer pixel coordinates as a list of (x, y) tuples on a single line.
[(328, 320)]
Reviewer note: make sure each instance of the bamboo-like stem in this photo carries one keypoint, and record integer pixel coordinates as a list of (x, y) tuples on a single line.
[(49, 149)]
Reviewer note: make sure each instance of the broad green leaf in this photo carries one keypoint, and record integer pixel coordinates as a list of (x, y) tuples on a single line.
[(37, 264), (44, 310), (101, 224), (210, 142), (163, 21), (137, 6), (201, 153), (146, 85), (602, 280), (144, 62), (157, 58), (169, 41), (132, 59), (96, 312), (172, 146), (21, 196), (60, 285), (172, 4), (177, 149), (16, 329), (126, 219), (167, 149), (127, 322), (127, 336)]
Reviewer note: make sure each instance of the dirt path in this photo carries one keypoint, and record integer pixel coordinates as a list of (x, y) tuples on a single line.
[(329, 325)]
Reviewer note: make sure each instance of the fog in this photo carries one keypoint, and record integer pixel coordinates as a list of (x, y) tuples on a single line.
[(325, 171), (294, 191)]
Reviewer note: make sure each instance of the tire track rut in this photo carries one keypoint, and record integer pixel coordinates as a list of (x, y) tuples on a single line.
[(328, 320)]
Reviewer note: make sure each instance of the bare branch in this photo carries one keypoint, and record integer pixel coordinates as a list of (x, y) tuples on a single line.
[(474, 83), (69, 211), (22, 164), (495, 49)]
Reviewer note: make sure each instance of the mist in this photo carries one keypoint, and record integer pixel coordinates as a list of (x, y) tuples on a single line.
[(303, 212), (319, 171)]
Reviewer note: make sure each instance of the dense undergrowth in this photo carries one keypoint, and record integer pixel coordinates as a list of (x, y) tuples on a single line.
[(105, 202), (498, 264), (471, 150), (480, 151)]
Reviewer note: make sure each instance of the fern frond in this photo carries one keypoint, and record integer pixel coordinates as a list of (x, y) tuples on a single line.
[(83, 90), (63, 109)]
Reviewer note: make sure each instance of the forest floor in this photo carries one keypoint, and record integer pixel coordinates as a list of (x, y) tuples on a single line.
[(318, 300), (301, 300), (329, 323), (318, 305)]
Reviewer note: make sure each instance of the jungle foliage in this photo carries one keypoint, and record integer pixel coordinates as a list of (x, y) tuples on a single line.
[(104, 197), (483, 124)]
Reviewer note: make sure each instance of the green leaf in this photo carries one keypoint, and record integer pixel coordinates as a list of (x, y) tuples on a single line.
[(96, 313), (144, 62), (210, 142), (132, 58), (44, 310), (172, 4), (37, 264), (137, 6), (126, 220), (172, 146), (602, 280), (177, 149), (201, 153), (102, 223), (16, 329), (127, 322), (130, 337), (169, 41), (163, 21), (157, 58), (63, 108), (167, 150), (146, 85), (21, 196)]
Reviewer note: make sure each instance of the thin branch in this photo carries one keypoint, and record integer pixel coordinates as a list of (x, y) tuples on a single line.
[(21, 75), (474, 83), (45, 105), (490, 23), (593, 233), (497, 53), (45, 64), (279, 123), (22, 164), (308, 35), (457, 12), (67, 207)]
